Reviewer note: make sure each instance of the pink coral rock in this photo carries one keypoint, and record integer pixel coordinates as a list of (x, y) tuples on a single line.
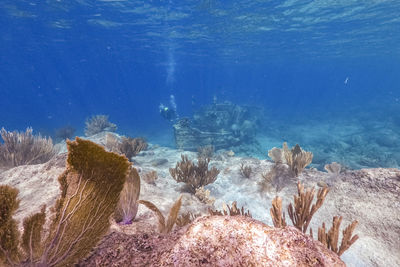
[(243, 241)]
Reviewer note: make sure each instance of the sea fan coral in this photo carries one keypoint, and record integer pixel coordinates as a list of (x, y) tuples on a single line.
[(90, 188), (97, 124), (128, 201)]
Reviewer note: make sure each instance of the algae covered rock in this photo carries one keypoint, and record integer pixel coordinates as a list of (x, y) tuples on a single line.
[(243, 241)]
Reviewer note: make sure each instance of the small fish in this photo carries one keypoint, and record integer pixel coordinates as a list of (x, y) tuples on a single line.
[(347, 79)]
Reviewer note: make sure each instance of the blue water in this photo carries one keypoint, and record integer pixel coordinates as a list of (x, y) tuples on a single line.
[(304, 62)]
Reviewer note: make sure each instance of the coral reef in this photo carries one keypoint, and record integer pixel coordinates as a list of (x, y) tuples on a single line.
[(32, 236), (139, 243), (97, 124), (194, 176), (214, 241), (130, 147), (23, 148)]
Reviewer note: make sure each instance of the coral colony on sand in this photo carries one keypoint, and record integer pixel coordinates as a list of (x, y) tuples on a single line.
[(100, 188)]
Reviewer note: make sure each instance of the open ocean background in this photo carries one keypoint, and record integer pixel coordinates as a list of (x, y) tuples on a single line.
[(325, 73)]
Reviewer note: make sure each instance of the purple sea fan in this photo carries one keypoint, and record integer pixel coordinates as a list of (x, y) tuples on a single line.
[(128, 202)]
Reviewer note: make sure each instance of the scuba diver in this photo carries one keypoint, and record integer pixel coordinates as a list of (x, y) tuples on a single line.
[(169, 112)]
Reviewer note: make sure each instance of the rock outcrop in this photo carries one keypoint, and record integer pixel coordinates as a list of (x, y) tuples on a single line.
[(215, 241), (242, 241)]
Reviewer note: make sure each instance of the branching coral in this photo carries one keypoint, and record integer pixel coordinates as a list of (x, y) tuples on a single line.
[(330, 239), (302, 212), (301, 216), (194, 175), (276, 213), (231, 211), (297, 158), (245, 170), (22, 148)]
